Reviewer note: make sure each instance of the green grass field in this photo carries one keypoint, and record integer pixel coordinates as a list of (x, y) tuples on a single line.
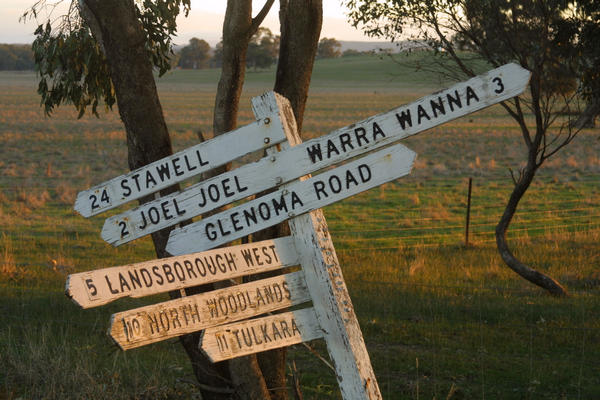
[(441, 320)]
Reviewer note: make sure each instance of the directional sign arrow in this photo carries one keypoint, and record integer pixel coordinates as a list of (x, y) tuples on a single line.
[(189, 314), (180, 166), (374, 132), (101, 286), (235, 340), (297, 198)]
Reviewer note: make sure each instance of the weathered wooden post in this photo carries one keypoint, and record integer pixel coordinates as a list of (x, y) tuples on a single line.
[(325, 282)]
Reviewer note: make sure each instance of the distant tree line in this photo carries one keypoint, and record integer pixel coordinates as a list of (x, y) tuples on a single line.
[(262, 52), (16, 57)]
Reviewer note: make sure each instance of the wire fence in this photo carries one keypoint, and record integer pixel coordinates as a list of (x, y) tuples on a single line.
[(425, 339)]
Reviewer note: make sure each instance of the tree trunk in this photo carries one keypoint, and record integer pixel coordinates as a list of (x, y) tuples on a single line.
[(587, 119), (114, 24), (238, 28), (533, 276), (300, 29)]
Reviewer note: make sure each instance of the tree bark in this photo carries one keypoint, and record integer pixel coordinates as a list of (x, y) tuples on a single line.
[(114, 24), (533, 276), (587, 119), (301, 22), (238, 28)]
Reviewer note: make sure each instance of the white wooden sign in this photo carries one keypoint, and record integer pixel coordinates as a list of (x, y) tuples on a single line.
[(297, 198), (180, 166), (372, 133), (144, 325), (101, 286), (260, 334)]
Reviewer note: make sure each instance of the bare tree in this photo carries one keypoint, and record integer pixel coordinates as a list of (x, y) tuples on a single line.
[(539, 35)]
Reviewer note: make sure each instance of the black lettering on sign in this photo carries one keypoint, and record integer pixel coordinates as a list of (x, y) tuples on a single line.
[(110, 288), (146, 277), (154, 214), (187, 164), (361, 136), (134, 277), (335, 184), (96, 201), (268, 259), (404, 119), (213, 191), (437, 107), (255, 214), (124, 231), (159, 278), (421, 113), (163, 172), (125, 186), (471, 95), (222, 342), (344, 143), (314, 152), (150, 181), (177, 166), (500, 87), (236, 222), (137, 182), (91, 287), (123, 283), (454, 101), (209, 231)]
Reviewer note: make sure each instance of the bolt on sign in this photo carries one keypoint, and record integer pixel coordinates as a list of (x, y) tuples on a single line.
[(234, 319)]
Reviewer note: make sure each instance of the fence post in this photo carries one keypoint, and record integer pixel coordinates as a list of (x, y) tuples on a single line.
[(468, 213)]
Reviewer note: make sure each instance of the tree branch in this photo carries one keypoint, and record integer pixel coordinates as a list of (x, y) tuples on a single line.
[(260, 17)]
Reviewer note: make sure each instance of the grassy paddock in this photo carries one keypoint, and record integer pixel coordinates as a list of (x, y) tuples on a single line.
[(440, 320)]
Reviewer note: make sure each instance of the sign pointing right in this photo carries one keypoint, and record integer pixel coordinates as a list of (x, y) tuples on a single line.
[(297, 198), (372, 133)]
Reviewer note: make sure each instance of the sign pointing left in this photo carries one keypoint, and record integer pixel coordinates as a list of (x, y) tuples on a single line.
[(180, 166), (101, 286), (150, 324), (261, 334)]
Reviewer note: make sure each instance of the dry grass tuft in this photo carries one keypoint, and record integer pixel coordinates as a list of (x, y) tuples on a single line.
[(437, 211), (572, 162), (414, 199), (416, 265), (65, 193), (8, 267), (32, 198)]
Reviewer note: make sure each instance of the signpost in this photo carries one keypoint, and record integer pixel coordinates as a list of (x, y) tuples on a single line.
[(305, 158), (320, 278)]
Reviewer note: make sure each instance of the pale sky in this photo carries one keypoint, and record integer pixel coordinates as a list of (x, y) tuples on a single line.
[(204, 22)]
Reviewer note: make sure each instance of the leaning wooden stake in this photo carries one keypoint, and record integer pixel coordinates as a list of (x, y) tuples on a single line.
[(327, 288)]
